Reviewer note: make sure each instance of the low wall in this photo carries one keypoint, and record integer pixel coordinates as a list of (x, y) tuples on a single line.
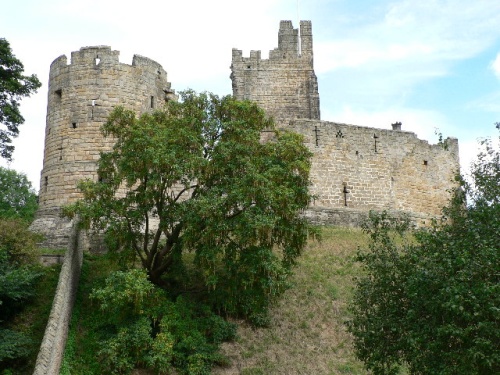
[(51, 351), (350, 217)]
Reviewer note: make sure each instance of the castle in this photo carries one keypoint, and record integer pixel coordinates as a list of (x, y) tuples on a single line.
[(354, 168)]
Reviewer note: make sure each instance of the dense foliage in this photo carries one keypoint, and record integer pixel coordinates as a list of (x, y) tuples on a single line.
[(142, 327), (18, 200), (195, 177), (13, 86), (18, 275), (432, 303)]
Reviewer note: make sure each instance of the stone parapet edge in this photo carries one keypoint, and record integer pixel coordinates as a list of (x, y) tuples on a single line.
[(54, 340)]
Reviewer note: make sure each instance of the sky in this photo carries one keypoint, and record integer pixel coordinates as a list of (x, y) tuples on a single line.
[(434, 65)]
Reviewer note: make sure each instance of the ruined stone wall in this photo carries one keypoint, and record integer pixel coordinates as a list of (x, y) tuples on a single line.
[(81, 96), (51, 352), (363, 168), (285, 84)]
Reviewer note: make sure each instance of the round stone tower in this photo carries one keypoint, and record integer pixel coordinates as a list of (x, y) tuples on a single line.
[(81, 96)]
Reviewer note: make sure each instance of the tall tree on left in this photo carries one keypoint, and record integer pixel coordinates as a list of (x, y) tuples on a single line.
[(13, 87)]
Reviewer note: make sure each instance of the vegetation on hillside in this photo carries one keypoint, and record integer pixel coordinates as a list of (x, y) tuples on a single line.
[(432, 304), (191, 195), (306, 333), (20, 275)]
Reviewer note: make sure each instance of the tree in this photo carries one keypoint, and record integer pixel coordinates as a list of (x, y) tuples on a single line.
[(13, 86), (18, 274), (432, 303), (17, 198), (195, 177)]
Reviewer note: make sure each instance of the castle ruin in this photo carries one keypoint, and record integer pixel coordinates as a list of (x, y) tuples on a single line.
[(354, 168), (81, 95)]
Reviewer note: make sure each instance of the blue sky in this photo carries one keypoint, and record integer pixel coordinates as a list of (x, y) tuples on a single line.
[(431, 64)]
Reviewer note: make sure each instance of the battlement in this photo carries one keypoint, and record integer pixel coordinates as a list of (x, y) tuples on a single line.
[(102, 57), (81, 95), (285, 84)]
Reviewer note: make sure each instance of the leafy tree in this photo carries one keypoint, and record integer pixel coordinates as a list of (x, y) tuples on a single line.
[(18, 275), (17, 198), (199, 169), (432, 303), (141, 326), (13, 86)]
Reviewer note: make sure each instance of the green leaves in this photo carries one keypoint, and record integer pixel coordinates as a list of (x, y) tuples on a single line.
[(432, 303), (18, 200), (13, 86), (196, 177), (142, 327)]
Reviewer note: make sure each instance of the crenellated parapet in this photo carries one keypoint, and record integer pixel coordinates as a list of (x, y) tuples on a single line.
[(285, 85), (81, 95)]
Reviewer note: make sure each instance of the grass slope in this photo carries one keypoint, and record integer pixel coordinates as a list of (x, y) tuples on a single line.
[(307, 334)]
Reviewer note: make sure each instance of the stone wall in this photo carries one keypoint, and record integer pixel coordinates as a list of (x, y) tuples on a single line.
[(285, 84), (54, 340), (365, 168), (80, 97)]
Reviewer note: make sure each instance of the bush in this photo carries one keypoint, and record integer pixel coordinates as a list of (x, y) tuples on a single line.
[(432, 304), (142, 327), (18, 275)]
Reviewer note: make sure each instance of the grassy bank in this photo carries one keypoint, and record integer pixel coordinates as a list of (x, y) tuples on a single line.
[(307, 334)]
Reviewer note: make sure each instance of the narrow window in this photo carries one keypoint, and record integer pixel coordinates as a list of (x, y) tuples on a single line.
[(316, 132), (46, 183), (97, 60), (73, 125), (58, 95), (152, 102), (425, 162), (345, 191)]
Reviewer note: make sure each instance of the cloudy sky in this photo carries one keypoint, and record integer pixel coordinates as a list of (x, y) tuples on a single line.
[(431, 64)]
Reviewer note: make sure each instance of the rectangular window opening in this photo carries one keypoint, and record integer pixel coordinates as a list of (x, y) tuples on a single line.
[(425, 162), (73, 125), (152, 102)]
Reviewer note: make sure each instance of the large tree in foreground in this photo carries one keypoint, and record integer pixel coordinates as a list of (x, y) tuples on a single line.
[(433, 304), (13, 87), (195, 177)]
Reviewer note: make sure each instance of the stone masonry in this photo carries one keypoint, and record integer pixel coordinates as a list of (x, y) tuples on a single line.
[(285, 84), (81, 95), (354, 168)]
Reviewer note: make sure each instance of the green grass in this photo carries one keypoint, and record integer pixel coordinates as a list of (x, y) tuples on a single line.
[(307, 334)]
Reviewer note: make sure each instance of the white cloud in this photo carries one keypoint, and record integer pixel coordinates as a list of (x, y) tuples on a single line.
[(489, 103), (495, 66), (428, 32)]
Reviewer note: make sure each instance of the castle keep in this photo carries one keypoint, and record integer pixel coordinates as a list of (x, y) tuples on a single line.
[(354, 168), (285, 84)]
